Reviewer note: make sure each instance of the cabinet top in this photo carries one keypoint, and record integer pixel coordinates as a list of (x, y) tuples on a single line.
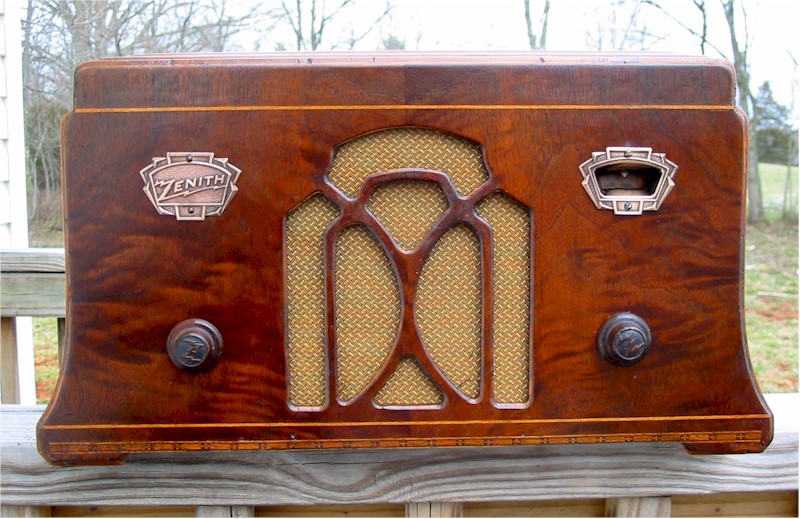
[(392, 78)]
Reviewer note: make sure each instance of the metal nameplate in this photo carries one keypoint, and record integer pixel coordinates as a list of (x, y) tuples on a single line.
[(628, 180), (190, 186)]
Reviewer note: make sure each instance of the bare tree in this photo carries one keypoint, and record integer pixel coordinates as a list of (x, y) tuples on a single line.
[(621, 27), (747, 102), (537, 41), (60, 34), (701, 34), (740, 41), (392, 42), (310, 21), (789, 210)]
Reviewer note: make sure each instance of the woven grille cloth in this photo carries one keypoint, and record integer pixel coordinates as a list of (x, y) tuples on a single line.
[(408, 209), (305, 296), (448, 308), (409, 385), (366, 297), (511, 228), (408, 148), (367, 300)]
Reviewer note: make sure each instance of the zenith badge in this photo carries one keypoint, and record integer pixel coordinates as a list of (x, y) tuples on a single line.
[(190, 186)]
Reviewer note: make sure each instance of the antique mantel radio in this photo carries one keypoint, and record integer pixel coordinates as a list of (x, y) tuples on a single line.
[(403, 250)]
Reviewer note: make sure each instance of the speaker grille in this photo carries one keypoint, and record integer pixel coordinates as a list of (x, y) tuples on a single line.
[(408, 209), (397, 148), (448, 308), (305, 300), (511, 231), (367, 309), (409, 386), (345, 308)]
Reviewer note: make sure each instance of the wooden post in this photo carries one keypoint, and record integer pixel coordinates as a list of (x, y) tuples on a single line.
[(639, 507), (432, 509), (224, 511), (9, 370), (25, 511), (61, 324)]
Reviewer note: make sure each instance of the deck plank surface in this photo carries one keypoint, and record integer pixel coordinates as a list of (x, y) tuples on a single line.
[(394, 476)]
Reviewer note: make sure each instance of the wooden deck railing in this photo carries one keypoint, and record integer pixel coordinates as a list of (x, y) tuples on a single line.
[(591, 480), (31, 284)]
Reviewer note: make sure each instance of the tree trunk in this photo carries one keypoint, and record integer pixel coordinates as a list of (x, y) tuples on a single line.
[(755, 202), (537, 42), (789, 210)]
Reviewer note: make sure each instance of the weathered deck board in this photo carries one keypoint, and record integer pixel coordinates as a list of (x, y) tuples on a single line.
[(32, 283), (394, 476), (758, 504), (33, 294), (32, 260)]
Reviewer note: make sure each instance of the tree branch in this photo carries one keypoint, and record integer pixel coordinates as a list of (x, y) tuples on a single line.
[(702, 37)]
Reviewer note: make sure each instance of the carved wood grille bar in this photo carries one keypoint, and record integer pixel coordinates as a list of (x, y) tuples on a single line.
[(408, 279)]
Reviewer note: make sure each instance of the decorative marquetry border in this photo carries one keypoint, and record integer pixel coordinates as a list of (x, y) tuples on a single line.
[(699, 437)]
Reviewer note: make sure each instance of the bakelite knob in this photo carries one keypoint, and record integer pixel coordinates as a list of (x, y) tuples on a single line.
[(194, 345), (624, 339)]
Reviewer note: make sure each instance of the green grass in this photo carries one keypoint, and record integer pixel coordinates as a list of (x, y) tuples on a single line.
[(45, 348), (773, 188), (771, 285), (771, 305)]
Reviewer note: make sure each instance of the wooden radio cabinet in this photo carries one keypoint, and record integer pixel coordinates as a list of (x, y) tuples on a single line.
[(403, 250)]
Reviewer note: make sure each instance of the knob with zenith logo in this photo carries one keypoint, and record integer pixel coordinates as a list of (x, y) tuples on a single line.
[(194, 345), (624, 339)]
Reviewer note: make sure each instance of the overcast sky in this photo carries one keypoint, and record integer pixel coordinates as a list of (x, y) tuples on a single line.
[(470, 24), (499, 25)]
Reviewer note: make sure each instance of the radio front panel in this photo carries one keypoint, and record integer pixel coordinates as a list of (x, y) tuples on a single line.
[(350, 251)]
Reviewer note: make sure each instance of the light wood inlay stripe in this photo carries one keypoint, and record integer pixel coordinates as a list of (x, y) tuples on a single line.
[(288, 108)]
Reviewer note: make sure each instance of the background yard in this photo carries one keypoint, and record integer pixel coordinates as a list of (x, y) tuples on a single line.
[(771, 273)]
